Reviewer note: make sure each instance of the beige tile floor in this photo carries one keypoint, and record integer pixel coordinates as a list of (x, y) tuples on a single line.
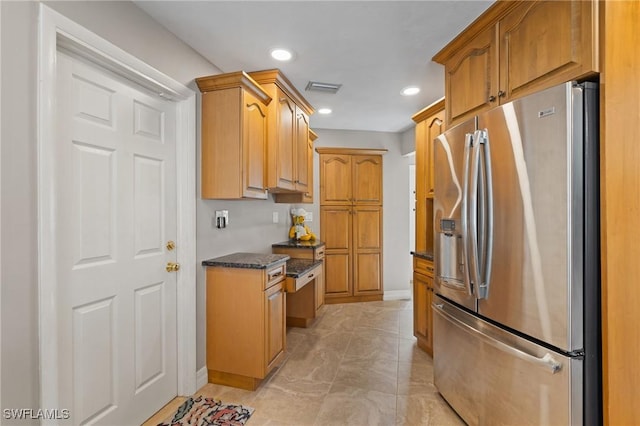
[(358, 364)]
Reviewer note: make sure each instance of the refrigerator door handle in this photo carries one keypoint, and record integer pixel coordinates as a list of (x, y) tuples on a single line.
[(472, 239), (464, 215), (486, 244), (546, 362)]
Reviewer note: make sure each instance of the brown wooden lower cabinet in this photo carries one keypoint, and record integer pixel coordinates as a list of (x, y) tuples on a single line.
[(306, 250), (422, 298), (245, 324)]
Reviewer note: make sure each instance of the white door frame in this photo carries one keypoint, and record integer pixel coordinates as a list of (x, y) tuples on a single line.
[(57, 31), (1, 404)]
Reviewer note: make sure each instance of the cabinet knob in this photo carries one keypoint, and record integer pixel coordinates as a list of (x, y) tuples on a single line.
[(502, 94), (492, 98)]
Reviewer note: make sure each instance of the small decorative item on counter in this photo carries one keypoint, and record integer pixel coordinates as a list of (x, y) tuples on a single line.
[(300, 231)]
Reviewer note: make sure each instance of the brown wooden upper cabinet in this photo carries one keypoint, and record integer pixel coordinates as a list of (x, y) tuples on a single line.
[(429, 124), (307, 196), (288, 168), (234, 137), (516, 48)]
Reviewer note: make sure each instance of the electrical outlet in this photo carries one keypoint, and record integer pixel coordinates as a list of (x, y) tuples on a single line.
[(308, 217), (222, 219)]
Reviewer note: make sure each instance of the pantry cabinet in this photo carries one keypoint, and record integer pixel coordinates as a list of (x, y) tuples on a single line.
[(351, 223), (516, 48), (288, 136), (234, 137)]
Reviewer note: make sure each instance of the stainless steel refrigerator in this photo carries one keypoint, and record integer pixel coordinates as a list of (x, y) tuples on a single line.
[(516, 335)]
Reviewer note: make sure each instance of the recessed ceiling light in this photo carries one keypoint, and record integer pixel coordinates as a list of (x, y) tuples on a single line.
[(281, 54), (324, 111), (410, 91)]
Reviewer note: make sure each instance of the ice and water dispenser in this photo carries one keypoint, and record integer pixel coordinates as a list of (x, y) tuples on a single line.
[(450, 257)]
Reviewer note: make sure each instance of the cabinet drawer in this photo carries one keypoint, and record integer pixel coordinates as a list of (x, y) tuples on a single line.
[(275, 275), (319, 254), (295, 284), (423, 266)]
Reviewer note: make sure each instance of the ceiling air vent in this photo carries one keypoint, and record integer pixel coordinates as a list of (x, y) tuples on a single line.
[(316, 86)]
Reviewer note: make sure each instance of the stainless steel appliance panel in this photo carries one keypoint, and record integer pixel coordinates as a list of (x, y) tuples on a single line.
[(492, 377), (451, 280), (535, 286)]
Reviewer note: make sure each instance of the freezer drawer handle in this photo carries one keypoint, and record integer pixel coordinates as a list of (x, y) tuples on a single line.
[(546, 362)]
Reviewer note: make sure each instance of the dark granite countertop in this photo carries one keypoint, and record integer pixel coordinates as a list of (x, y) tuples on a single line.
[(299, 267), (427, 255), (299, 244), (247, 260)]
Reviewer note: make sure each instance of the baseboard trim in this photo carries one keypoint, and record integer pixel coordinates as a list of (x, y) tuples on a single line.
[(397, 295), (202, 377)]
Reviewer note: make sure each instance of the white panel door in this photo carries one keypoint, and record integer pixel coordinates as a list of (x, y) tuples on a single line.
[(115, 211)]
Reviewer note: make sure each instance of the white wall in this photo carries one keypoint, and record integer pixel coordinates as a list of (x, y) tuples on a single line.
[(250, 229), (132, 30), (408, 141), (397, 264)]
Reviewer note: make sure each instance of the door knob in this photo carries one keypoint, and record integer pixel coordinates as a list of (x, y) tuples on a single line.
[(173, 267), (171, 245)]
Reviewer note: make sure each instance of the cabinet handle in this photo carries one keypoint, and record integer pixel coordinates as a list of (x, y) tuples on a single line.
[(502, 94), (311, 276), (273, 275), (492, 98)]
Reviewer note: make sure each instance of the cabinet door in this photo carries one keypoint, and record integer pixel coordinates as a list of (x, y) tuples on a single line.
[(421, 185), (435, 126), (335, 231), (320, 289), (308, 195), (335, 179), (471, 77), (367, 250), (420, 318), (302, 151), (367, 179), (546, 43), (275, 328), (429, 345), (286, 134), (254, 139), (422, 311)]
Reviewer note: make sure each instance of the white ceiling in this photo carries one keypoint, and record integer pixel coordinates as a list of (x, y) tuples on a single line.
[(373, 48)]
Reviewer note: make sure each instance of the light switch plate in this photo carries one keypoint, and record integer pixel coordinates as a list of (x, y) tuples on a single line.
[(276, 217)]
